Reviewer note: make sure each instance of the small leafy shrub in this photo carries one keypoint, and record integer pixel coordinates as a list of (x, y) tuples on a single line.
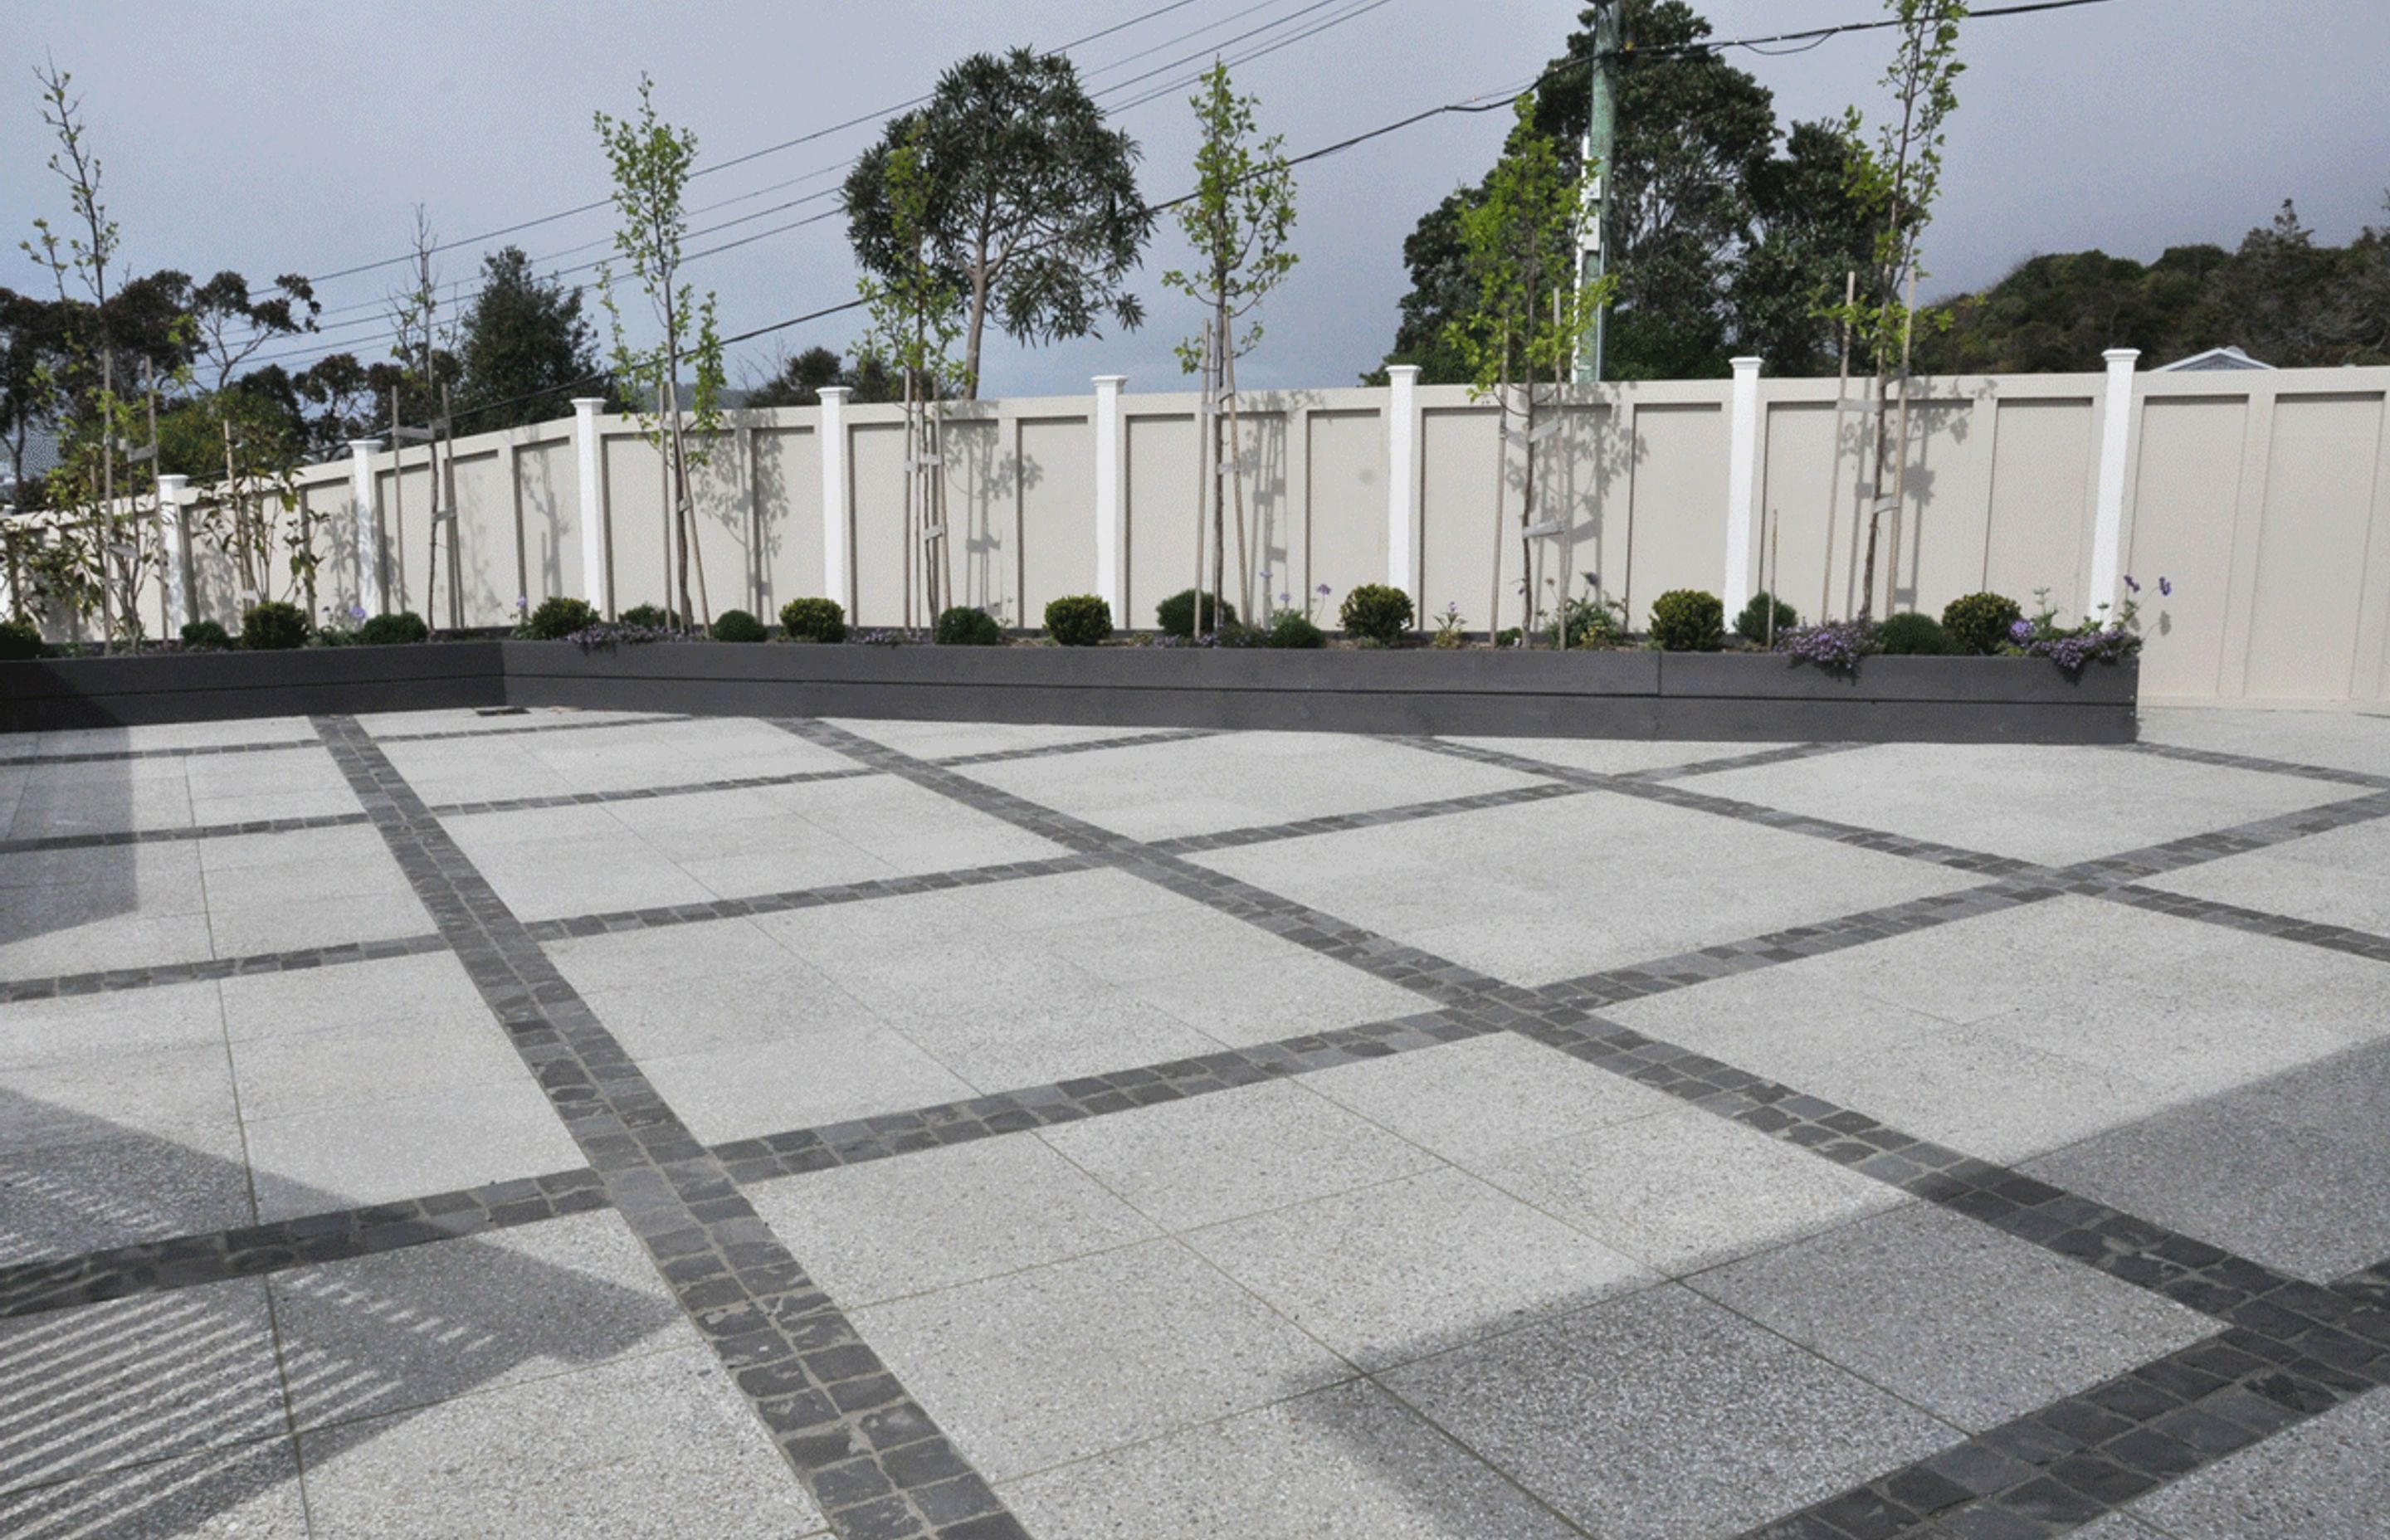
[(736, 625), (557, 619), (1752, 624), (968, 626), (20, 639), (1293, 628), (2092, 640), (1592, 620), (1835, 646), (1079, 619), (1448, 632), (1980, 623), (1913, 636), (1510, 635), (398, 630), (1373, 612), (650, 617), (814, 620), (205, 636), (1687, 620), (1176, 615), (272, 626)]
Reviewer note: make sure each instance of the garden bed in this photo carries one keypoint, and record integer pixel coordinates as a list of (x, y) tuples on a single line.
[(1624, 693)]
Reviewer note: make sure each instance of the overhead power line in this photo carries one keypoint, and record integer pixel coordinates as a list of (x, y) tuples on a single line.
[(1815, 35)]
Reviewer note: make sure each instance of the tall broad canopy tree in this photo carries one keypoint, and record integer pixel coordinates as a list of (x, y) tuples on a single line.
[(651, 161), (1528, 317), (1722, 244), (521, 343), (1239, 223), (1895, 180), (1033, 212)]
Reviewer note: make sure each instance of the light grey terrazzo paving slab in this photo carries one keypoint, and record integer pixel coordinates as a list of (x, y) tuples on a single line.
[(2327, 1481)]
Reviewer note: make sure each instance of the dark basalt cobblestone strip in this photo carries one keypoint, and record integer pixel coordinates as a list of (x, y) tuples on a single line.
[(334, 955), (187, 1261), (1752, 761), (2334, 938), (1339, 823), (2085, 1457), (1083, 746), (2251, 762), (644, 793), (644, 719), (114, 838), (198, 750), (2096, 876), (669, 914), (872, 1458), (1667, 792), (861, 1140)]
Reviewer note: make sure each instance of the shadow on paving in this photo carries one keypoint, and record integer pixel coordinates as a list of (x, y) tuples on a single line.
[(46, 892), (157, 1415), (1626, 1444)]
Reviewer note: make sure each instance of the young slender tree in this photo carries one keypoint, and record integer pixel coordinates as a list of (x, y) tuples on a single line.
[(1239, 223), (914, 310), (1527, 316), (651, 161), (1034, 208), (258, 452), (1895, 181)]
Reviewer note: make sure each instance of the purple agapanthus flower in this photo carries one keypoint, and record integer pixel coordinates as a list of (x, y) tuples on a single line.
[(2166, 588), (2130, 584), (1285, 599), (1321, 590), (2021, 632)]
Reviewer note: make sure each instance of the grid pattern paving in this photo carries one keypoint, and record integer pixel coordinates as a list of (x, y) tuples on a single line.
[(897, 1129)]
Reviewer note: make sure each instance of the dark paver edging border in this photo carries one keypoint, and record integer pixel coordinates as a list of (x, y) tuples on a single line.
[(1621, 694)]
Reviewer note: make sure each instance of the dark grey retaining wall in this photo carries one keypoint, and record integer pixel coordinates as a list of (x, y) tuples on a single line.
[(211, 686), (1634, 694)]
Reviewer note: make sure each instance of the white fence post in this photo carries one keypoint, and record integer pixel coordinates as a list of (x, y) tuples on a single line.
[(2116, 438), (834, 500), (364, 512), (1402, 455), (170, 553), (595, 578), (1108, 495), (1741, 480)]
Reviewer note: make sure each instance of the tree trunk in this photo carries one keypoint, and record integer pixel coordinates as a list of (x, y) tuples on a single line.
[(1527, 520), (977, 330), (1502, 465)]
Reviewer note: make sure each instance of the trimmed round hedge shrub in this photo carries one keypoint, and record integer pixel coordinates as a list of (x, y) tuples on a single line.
[(968, 626), (272, 626), (1079, 619), (1687, 620), (392, 630), (1979, 622), (20, 639), (736, 625), (1913, 636), (1752, 624), (205, 636), (814, 620), (1293, 628), (1176, 615), (1373, 612), (652, 617), (558, 618)]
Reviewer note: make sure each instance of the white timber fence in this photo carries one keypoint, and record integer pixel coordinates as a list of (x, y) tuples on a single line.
[(2263, 497)]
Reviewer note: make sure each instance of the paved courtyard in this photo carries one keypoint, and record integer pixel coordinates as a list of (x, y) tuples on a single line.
[(589, 1124)]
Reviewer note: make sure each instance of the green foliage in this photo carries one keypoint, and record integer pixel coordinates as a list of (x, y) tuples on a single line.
[(1079, 619), (1980, 623), (1592, 619), (1752, 624), (1237, 221), (968, 626), (205, 636), (22, 639), (1372, 612), (398, 630), (1176, 615), (521, 344), (1034, 210), (1450, 633), (1293, 628), (738, 625), (801, 377), (651, 617), (557, 617), (1517, 243), (272, 626), (814, 620), (1510, 635), (1910, 635), (916, 304), (1687, 620)]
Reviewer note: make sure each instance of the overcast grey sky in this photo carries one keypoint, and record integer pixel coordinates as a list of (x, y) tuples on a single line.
[(273, 136)]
